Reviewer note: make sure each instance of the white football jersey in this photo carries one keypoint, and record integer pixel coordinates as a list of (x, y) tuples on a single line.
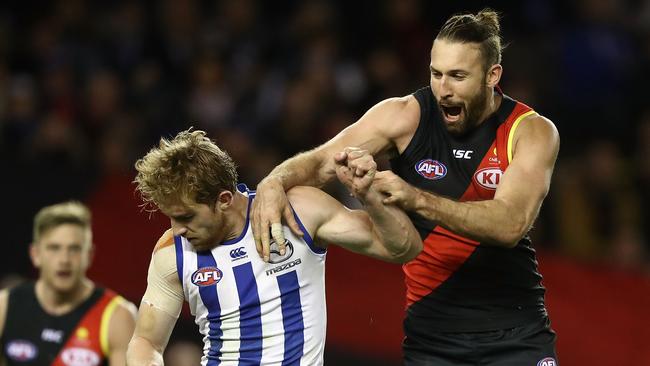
[(255, 313)]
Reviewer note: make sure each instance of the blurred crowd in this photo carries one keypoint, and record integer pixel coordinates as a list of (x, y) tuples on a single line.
[(86, 87)]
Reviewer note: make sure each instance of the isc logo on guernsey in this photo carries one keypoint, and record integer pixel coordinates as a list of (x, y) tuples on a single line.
[(431, 169), (206, 276)]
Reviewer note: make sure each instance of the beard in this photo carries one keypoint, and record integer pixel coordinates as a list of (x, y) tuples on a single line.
[(472, 111)]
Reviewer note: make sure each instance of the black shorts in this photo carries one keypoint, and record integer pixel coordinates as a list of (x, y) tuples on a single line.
[(532, 344)]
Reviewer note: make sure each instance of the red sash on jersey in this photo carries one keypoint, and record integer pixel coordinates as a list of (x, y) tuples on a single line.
[(87, 343)]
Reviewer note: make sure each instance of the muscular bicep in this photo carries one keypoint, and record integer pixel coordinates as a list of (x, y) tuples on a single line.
[(329, 222), (385, 128), (527, 180)]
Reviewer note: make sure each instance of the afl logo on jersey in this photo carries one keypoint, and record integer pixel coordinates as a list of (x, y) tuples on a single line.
[(488, 178), (206, 276), (548, 361), (431, 169), (21, 351)]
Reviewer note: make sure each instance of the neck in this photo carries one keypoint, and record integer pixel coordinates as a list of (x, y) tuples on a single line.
[(57, 302), (493, 104), (236, 219)]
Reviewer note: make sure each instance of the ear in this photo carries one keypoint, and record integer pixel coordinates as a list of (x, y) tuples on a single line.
[(493, 75), (224, 200), (34, 255)]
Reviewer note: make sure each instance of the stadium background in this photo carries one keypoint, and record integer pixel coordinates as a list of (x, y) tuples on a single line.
[(86, 87)]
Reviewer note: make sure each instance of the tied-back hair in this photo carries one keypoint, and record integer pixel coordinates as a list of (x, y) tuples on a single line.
[(49, 217), (482, 28), (190, 168)]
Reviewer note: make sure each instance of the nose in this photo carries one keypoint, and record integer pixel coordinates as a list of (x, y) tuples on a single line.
[(445, 88)]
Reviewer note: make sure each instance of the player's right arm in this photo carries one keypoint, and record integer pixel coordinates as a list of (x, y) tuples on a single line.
[(384, 129), (159, 309)]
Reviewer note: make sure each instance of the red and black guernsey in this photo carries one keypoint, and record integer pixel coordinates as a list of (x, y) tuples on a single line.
[(78, 338), (457, 284)]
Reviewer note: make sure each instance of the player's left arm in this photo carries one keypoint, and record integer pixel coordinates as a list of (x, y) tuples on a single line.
[(380, 231), (120, 330), (505, 219)]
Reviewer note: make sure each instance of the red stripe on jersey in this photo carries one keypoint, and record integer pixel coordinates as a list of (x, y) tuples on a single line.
[(83, 345), (442, 254)]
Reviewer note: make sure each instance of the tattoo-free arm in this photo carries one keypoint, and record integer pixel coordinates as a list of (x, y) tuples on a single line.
[(159, 309), (380, 231)]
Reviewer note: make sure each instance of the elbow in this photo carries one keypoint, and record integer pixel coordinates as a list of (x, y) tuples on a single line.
[(510, 235), (408, 251)]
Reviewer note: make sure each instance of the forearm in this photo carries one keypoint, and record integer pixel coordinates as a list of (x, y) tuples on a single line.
[(310, 168), (393, 228), (142, 353), (490, 221)]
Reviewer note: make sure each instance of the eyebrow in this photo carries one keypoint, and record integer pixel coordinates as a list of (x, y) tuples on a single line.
[(454, 71)]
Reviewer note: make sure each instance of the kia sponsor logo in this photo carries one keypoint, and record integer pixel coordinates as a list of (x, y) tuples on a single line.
[(488, 178), (206, 276), (431, 169), (21, 351), (77, 356)]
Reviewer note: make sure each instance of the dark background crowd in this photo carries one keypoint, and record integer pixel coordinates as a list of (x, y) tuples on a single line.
[(87, 87)]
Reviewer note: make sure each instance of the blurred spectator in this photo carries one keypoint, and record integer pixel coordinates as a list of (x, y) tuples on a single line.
[(597, 212)]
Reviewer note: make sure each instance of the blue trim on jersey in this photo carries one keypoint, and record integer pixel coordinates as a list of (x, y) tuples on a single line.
[(211, 302), (294, 327), (306, 237), (243, 233), (178, 244), (250, 315)]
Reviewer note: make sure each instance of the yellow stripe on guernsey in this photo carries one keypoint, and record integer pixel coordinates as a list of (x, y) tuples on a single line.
[(106, 321), (511, 135)]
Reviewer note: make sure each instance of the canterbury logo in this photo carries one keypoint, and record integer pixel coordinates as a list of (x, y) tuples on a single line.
[(238, 253)]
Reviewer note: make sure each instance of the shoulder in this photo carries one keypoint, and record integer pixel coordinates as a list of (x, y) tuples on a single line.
[(303, 197), (313, 206), (536, 127), (536, 138), (391, 118), (165, 240), (121, 326)]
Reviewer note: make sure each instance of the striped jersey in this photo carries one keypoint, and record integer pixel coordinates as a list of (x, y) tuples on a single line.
[(251, 312), (457, 284)]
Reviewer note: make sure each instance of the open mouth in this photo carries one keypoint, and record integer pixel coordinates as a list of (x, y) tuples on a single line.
[(64, 274), (451, 113)]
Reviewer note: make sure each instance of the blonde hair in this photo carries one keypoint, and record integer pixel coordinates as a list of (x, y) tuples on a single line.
[(71, 212), (482, 28), (190, 168)]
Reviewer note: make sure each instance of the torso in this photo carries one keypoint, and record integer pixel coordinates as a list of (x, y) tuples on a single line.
[(252, 312), (31, 336), (458, 284)]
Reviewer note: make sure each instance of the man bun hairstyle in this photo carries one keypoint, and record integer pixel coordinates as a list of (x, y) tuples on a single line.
[(482, 28)]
